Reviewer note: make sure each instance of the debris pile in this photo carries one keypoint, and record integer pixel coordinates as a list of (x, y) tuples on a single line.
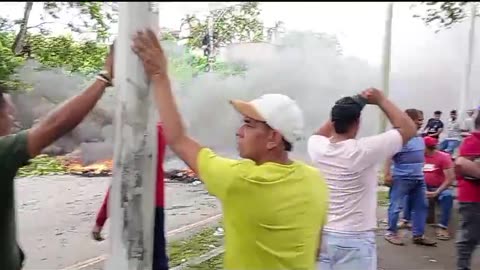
[(42, 165), (98, 169), (183, 175)]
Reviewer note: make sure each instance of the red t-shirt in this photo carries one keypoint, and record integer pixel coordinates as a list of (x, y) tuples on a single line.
[(160, 187), (469, 190), (434, 166)]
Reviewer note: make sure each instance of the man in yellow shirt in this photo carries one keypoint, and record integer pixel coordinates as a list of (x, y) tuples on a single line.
[(274, 208)]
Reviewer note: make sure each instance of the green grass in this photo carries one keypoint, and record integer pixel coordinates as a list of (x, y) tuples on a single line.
[(382, 199), (192, 247), (211, 264)]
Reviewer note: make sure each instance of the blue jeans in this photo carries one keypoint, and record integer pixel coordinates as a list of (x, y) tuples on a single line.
[(445, 200), (347, 251), (449, 145), (415, 189)]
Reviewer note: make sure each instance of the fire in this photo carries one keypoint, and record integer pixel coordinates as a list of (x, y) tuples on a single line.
[(188, 172), (183, 175), (100, 168)]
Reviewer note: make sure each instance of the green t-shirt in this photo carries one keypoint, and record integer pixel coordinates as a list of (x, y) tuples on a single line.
[(13, 155), (273, 213)]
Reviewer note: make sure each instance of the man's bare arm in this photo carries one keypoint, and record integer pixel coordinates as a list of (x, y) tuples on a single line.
[(184, 146), (326, 130), (449, 177), (64, 118), (148, 48), (437, 133), (387, 172), (69, 114), (467, 167), (399, 119)]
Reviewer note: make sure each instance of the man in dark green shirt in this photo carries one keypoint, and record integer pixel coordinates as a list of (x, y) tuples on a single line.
[(17, 149)]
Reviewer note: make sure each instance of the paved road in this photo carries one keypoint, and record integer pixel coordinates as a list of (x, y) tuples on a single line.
[(413, 257), (56, 214)]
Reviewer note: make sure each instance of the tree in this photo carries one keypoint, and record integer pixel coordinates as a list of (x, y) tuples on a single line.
[(238, 23), (86, 17), (445, 14), (9, 62)]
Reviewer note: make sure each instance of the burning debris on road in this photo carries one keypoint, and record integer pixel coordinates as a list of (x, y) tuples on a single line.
[(184, 176), (98, 169)]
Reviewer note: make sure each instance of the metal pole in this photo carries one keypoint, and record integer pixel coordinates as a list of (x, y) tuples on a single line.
[(210, 42), (387, 46), (131, 204)]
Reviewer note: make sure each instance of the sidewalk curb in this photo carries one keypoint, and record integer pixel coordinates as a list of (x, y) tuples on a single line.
[(176, 234), (200, 259)]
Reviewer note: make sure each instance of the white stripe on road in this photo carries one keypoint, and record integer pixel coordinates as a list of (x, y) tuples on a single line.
[(93, 261)]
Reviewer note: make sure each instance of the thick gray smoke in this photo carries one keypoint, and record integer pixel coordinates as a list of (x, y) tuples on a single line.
[(310, 71), (426, 74)]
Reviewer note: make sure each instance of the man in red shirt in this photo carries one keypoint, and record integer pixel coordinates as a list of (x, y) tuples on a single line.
[(160, 260), (439, 174), (468, 175)]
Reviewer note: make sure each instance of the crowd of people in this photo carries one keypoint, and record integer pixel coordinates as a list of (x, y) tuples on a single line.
[(281, 213)]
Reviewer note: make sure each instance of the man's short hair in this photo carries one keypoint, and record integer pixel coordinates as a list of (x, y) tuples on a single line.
[(288, 146), (344, 114), (414, 114), (453, 112), (437, 112)]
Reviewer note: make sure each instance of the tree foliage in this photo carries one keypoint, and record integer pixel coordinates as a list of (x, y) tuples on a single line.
[(444, 14), (239, 23), (8, 61), (62, 51), (85, 16)]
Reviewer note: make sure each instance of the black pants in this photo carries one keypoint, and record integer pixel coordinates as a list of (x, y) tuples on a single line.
[(469, 236), (160, 260)]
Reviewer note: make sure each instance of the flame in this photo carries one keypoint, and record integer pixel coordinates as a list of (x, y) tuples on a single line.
[(100, 168), (188, 172)]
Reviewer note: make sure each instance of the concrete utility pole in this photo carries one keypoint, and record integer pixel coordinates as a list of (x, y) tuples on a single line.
[(387, 54), (131, 204)]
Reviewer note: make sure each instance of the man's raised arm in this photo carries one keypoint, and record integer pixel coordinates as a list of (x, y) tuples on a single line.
[(399, 119), (326, 130), (148, 48), (69, 114)]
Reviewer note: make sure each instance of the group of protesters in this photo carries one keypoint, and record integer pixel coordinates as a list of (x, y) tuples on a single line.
[(278, 213), (424, 171)]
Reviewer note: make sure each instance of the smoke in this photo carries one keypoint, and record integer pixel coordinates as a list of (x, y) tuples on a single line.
[(426, 74), (309, 70)]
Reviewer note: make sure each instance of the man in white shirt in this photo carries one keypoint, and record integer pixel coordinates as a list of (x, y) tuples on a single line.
[(454, 135), (350, 168)]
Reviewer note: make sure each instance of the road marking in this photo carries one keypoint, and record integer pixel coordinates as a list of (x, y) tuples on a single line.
[(92, 261)]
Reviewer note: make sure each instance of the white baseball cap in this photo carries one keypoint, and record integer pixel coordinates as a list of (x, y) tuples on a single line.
[(279, 111)]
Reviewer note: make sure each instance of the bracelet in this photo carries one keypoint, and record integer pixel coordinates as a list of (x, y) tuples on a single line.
[(103, 79)]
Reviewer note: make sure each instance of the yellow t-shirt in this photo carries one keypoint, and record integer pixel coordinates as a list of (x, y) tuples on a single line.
[(273, 213)]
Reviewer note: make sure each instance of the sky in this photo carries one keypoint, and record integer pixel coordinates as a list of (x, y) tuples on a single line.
[(360, 26)]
